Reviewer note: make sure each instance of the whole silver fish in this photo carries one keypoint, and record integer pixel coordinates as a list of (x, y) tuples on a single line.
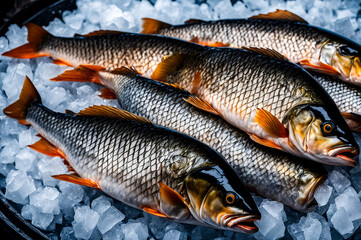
[(271, 174), (149, 167)]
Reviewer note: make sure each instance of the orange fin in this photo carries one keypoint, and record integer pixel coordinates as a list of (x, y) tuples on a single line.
[(67, 111), (201, 104), (194, 20), (45, 147), (209, 43), (267, 52), (36, 36), (353, 121), (130, 72), (107, 93), (62, 62), (314, 65), (77, 180), (98, 33), (168, 66), (196, 82), (270, 123), (265, 142), (152, 26), (111, 112), (280, 15), (80, 74), (172, 203), (154, 212), (175, 85), (28, 95)]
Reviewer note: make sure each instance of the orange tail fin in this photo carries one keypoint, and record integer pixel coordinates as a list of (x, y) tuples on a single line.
[(36, 36), (28, 95), (152, 26), (83, 73)]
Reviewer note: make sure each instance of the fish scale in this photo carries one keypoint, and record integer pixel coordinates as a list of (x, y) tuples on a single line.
[(115, 159), (272, 174), (255, 33)]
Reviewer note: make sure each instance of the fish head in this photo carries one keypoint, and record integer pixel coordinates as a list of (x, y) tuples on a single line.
[(344, 57), (221, 201), (321, 134)]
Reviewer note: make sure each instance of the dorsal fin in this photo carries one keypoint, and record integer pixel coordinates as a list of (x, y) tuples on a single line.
[(98, 33), (280, 15), (111, 112), (129, 72), (194, 20), (168, 66), (267, 52), (152, 26)]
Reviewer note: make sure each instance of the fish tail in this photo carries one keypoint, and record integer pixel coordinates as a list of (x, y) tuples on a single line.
[(153, 26), (83, 73), (28, 96), (32, 49)]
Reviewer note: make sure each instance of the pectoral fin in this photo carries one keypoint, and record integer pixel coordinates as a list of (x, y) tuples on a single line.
[(62, 62), (201, 104), (209, 43), (74, 178), (154, 212), (172, 203), (270, 124), (317, 66), (107, 93), (265, 142)]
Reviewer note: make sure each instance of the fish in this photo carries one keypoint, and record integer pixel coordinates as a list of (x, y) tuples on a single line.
[(278, 103), (310, 46), (275, 175), (158, 57), (163, 172), (346, 97), (109, 49)]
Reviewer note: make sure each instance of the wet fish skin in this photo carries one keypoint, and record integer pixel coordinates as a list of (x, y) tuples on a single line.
[(275, 175), (346, 97), (143, 165)]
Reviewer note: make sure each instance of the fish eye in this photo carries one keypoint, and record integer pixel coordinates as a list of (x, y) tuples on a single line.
[(230, 198), (346, 51), (327, 128)]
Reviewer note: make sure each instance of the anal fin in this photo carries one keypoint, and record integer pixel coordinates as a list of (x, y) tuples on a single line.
[(77, 180), (154, 212), (62, 62), (201, 104), (45, 147), (107, 93)]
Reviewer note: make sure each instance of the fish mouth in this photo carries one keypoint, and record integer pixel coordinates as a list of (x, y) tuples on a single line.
[(243, 223), (347, 154)]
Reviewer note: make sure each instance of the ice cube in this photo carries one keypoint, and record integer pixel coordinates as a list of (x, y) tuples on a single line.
[(313, 229), (325, 233), (175, 235), (338, 181), (27, 137), (41, 220), (71, 191), (46, 200), (135, 229), (9, 150), (344, 27), (109, 218), (101, 204), (17, 36), (19, 186), (322, 194), (67, 233), (271, 224), (350, 201), (26, 212), (56, 96), (74, 21), (25, 160), (84, 222), (341, 222), (50, 166), (114, 233), (156, 225)]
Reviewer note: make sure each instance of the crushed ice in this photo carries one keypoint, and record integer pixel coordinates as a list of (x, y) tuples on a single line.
[(86, 213)]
